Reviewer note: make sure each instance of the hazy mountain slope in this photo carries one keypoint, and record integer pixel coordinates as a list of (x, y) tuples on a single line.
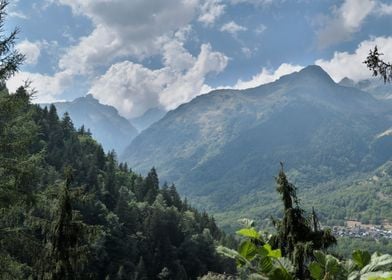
[(107, 126), (374, 86), (365, 197), (148, 118), (223, 147)]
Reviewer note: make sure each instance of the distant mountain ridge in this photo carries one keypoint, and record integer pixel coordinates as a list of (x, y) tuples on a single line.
[(374, 86), (226, 145), (148, 118), (107, 126)]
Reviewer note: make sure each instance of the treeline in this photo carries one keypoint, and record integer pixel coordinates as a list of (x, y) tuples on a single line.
[(346, 245), (70, 211)]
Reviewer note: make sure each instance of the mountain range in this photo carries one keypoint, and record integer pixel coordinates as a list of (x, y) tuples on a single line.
[(375, 86), (110, 129), (223, 149), (148, 118)]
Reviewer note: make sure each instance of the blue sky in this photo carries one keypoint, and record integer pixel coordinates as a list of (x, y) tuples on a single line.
[(139, 54)]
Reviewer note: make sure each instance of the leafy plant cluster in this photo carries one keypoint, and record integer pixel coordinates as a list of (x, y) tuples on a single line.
[(298, 249), (361, 266), (255, 257)]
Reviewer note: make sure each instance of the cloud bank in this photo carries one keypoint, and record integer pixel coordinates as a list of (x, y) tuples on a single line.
[(344, 64)]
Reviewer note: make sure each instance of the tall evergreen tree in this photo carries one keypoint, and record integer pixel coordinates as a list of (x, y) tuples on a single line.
[(64, 236), (151, 186), (297, 236), (69, 239)]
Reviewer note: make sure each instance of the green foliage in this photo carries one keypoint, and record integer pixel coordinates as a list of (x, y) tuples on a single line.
[(256, 259), (361, 258), (285, 255), (346, 245), (249, 232), (327, 267), (99, 220), (363, 266)]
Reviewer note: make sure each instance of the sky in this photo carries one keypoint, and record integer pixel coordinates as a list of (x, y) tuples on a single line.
[(141, 54)]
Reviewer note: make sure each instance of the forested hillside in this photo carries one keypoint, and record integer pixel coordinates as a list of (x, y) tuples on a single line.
[(70, 211), (222, 148)]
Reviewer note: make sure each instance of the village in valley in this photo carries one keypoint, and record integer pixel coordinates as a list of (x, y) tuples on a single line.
[(356, 229)]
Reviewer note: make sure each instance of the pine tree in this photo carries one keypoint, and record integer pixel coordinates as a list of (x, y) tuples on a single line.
[(151, 186), (64, 237), (67, 125), (17, 166), (10, 58), (175, 197), (53, 118), (68, 238), (111, 191), (297, 236)]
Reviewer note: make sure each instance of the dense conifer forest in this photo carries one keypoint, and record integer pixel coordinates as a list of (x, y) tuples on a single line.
[(70, 211)]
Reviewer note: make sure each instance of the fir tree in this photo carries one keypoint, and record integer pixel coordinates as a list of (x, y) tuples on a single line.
[(64, 237), (68, 238), (10, 58), (151, 186), (297, 236)]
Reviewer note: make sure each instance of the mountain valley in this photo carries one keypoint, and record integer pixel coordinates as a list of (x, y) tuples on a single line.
[(222, 149)]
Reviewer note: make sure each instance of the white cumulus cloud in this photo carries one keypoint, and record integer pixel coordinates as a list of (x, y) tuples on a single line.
[(31, 50), (187, 86), (384, 9), (232, 28), (346, 20), (132, 88), (211, 10), (127, 32), (125, 27), (47, 87), (344, 64), (267, 76)]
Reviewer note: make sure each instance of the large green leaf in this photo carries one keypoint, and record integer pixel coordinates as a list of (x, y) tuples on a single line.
[(332, 265), (361, 258), (378, 263), (320, 257), (349, 266), (286, 264), (266, 264), (249, 232), (230, 253), (280, 274), (233, 254), (256, 276), (355, 275), (247, 249), (316, 271), (272, 253), (377, 276)]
